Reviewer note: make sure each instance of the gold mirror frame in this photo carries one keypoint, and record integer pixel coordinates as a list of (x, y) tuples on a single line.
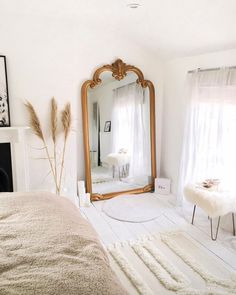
[(119, 70)]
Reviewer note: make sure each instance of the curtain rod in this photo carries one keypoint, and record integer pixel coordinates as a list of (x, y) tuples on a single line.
[(211, 69)]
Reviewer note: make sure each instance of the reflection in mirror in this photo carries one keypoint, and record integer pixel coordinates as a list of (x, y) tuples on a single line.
[(119, 135)]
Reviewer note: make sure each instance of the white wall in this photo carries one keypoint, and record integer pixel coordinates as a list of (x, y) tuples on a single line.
[(174, 107), (51, 56)]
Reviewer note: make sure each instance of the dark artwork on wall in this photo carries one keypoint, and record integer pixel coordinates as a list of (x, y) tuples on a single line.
[(6, 180), (107, 127), (4, 100)]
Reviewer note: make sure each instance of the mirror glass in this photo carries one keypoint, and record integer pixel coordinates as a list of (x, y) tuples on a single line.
[(119, 134)]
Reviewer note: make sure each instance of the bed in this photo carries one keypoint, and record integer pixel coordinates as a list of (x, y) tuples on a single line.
[(47, 247)]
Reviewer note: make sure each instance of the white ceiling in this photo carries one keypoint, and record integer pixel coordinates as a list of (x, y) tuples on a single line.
[(171, 28)]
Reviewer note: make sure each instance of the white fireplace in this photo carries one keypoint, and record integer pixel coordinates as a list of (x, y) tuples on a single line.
[(16, 136)]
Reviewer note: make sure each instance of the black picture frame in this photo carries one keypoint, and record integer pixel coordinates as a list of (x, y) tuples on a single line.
[(107, 127), (4, 94)]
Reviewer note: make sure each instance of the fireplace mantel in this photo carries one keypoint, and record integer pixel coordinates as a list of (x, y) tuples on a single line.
[(16, 136)]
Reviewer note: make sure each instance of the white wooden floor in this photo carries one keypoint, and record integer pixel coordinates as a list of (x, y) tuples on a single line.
[(111, 230)]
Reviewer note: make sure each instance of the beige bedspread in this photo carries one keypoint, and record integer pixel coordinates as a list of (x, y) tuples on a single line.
[(46, 248)]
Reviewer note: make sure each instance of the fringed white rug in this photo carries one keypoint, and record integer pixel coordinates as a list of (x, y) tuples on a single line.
[(170, 263), (135, 208)]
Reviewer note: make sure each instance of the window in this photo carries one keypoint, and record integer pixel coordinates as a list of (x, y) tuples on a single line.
[(209, 145)]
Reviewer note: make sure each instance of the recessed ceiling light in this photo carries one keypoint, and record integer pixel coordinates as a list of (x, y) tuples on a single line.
[(133, 5)]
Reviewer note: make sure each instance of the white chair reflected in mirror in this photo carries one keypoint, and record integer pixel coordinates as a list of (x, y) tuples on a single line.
[(120, 163)]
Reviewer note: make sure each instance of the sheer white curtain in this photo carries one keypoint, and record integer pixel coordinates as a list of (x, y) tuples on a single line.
[(209, 144), (130, 127)]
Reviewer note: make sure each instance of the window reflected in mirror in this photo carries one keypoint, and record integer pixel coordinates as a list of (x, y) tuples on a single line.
[(119, 134)]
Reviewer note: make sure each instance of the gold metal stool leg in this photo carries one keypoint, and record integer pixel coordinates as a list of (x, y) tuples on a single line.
[(233, 224), (194, 209)]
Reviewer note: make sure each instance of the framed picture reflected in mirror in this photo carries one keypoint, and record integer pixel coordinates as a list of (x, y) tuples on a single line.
[(107, 127)]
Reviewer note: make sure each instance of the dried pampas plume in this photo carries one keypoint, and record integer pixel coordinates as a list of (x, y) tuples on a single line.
[(66, 120), (54, 119), (66, 123), (54, 136), (34, 121)]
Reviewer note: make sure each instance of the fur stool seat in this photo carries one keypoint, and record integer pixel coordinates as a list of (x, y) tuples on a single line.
[(214, 203)]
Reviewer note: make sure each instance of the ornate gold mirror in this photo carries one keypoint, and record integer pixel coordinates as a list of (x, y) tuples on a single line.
[(118, 107)]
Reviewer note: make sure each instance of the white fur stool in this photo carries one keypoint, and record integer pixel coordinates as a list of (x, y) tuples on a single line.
[(214, 203)]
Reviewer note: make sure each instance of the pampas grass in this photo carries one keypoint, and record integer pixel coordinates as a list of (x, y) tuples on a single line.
[(66, 123), (54, 119), (34, 121), (66, 120), (37, 129), (54, 137)]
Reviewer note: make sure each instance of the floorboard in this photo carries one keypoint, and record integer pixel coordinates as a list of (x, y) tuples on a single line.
[(112, 231)]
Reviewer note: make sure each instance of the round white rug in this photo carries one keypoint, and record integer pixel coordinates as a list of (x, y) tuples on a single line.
[(135, 208)]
